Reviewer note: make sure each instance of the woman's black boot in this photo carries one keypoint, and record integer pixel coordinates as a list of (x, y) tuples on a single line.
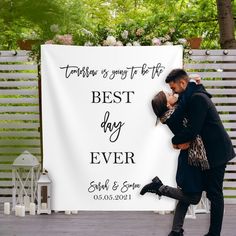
[(152, 187), (173, 233)]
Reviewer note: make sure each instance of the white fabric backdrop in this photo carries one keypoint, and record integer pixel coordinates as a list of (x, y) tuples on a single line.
[(87, 165)]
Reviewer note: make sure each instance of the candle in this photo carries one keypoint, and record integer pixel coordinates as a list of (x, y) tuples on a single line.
[(7, 208), (27, 203), (44, 206), (74, 212), (32, 208), (17, 210), (67, 212), (22, 211)]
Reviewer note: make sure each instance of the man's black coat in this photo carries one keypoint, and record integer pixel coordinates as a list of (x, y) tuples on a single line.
[(204, 120)]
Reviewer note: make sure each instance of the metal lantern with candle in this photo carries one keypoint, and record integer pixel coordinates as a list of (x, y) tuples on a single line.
[(25, 173), (44, 194)]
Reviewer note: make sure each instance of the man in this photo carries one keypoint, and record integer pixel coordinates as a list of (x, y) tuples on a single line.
[(205, 121)]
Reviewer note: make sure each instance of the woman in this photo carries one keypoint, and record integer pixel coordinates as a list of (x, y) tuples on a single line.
[(189, 176)]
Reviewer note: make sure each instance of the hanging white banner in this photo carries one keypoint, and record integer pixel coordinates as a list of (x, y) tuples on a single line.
[(101, 145)]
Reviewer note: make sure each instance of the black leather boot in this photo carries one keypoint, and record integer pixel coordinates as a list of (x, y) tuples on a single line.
[(173, 233), (152, 187)]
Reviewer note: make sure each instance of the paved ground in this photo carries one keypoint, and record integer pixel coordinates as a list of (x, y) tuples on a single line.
[(109, 224)]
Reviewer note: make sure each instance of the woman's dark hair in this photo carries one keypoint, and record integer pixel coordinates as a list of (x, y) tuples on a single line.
[(159, 104)]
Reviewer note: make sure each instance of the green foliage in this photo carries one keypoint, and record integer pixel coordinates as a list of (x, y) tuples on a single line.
[(94, 20)]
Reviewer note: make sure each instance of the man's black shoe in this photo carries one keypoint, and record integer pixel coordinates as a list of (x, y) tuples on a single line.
[(152, 187), (173, 233)]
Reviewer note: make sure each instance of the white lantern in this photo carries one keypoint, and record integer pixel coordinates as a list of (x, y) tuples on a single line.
[(44, 194), (25, 172)]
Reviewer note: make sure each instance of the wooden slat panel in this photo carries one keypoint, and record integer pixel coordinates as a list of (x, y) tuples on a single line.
[(19, 150), (226, 108), (222, 91), (229, 125), (222, 100), (19, 117), (19, 67), (19, 92), (217, 74), (208, 66), (7, 175), (231, 52), (19, 125), (14, 59), (6, 183), (231, 167), (11, 158), (230, 200), (19, 84), (220, 83), (225, 117), (5, 167), (19, 134), (234, 159), (233, 142), (18, 75), (8, 53), (22, 142), (5, 199), (19, 100), (230, 175), (19, 109), (229, 184), (10, 184), (5, 191), (213, 58), (232, 133), (229, 192)]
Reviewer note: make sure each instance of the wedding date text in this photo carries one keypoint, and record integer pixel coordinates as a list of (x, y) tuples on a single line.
[(111, 197)]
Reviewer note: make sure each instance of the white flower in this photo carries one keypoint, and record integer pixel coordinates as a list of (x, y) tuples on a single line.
[(87, 32), (140, 32), (162, 39), (54, 28), (105, 43), (167, 37), (88, 44), (168, 43), (172, 30), (119, 43), (129, 44), (156, 41), (125, 34), (50, 42), (111, 41), (65, 39), (136, 43), (182, 41)]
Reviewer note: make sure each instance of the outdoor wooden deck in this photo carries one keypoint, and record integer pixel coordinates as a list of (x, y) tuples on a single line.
[(109, 224)]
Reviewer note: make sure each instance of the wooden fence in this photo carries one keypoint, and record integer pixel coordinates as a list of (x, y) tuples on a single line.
[(218, 70), (20, 116), (19, 113)]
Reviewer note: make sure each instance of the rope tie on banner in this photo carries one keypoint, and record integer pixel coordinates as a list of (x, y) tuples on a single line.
[(15, 53)]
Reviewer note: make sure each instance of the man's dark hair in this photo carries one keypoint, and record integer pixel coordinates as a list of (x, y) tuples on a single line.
[(176, 74)]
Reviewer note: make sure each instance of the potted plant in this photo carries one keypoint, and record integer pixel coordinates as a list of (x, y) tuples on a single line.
[(27, 40), (195, 42)]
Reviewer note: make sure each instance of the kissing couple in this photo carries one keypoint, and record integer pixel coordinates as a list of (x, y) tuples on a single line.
[(205, 148)]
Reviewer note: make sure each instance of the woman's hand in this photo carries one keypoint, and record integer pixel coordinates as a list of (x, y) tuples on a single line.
[(182, 146)]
